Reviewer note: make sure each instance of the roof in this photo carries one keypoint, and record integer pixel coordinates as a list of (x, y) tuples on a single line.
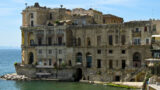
[(110, 15)]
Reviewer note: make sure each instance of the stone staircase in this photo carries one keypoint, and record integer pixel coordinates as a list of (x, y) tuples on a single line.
[(134, 74)]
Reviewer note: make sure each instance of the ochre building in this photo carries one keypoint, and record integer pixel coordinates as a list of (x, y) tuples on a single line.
[(77, 45)]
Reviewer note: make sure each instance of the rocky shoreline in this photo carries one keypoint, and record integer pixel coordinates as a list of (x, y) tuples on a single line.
[(14, 76)]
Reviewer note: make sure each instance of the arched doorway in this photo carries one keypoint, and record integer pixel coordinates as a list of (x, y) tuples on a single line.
[(79, 57), (89, 60), (78, 75), (31, 58), (136, 59)]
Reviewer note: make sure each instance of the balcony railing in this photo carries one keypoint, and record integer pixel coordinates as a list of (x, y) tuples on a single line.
[(33, 45)]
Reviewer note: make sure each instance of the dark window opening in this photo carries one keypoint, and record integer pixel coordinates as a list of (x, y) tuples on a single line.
[(110, 40), (123, 39), (145, 28), (88, 42), (50, 62), (49, 41), (117, 78), (110, 64), (39, 41), (110, 51), (50, 16), (99, 51), (98, 40), (98, 63), (123, 64), (70, 63), (123, 51), (59, 40), (31, 58), (136, 59), (32, 23)]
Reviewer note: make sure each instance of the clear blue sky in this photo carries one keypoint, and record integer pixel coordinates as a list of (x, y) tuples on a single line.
[(11, 19)]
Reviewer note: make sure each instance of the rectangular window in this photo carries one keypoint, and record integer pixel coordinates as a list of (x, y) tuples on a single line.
[(116, 37), (110, 40), (98, 40), (123, 64), (123, 51), (32, 15), (40, 51), (32, 23), (60, 51), (145, 28), (147, 41), (123, 39), (49, 41), (60, 62), (137, 41), (99, 51), (110, 51), (110, 64), (137, 30), (50, 62), (50, 51), (50, 16), (154, 27), (98, 63), (117, 63)]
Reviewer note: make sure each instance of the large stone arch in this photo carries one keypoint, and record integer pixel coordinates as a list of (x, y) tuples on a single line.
[(137, 58)]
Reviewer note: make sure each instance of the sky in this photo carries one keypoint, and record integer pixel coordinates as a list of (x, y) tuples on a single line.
[(11, 18)]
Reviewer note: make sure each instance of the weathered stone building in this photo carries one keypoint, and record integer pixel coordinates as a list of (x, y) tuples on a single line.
[(90, 51)]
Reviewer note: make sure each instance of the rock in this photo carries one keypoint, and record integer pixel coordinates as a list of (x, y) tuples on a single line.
[(14, 76)]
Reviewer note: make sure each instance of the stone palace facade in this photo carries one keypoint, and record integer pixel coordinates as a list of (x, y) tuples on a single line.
[(83, 44)]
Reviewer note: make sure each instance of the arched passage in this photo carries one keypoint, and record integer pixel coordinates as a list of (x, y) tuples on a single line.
[(89, 60), (79, 57), (31, 58), (136, 59), (78, 75)]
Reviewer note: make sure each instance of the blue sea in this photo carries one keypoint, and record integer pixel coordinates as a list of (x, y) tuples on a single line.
[(7, 59)]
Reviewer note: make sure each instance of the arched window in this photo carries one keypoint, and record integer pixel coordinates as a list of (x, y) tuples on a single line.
[(31, 58), (136, 59), (79, 57), (79, 42), (89, 60)]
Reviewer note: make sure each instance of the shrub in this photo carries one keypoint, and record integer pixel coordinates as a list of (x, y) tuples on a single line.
[(15, 63)]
